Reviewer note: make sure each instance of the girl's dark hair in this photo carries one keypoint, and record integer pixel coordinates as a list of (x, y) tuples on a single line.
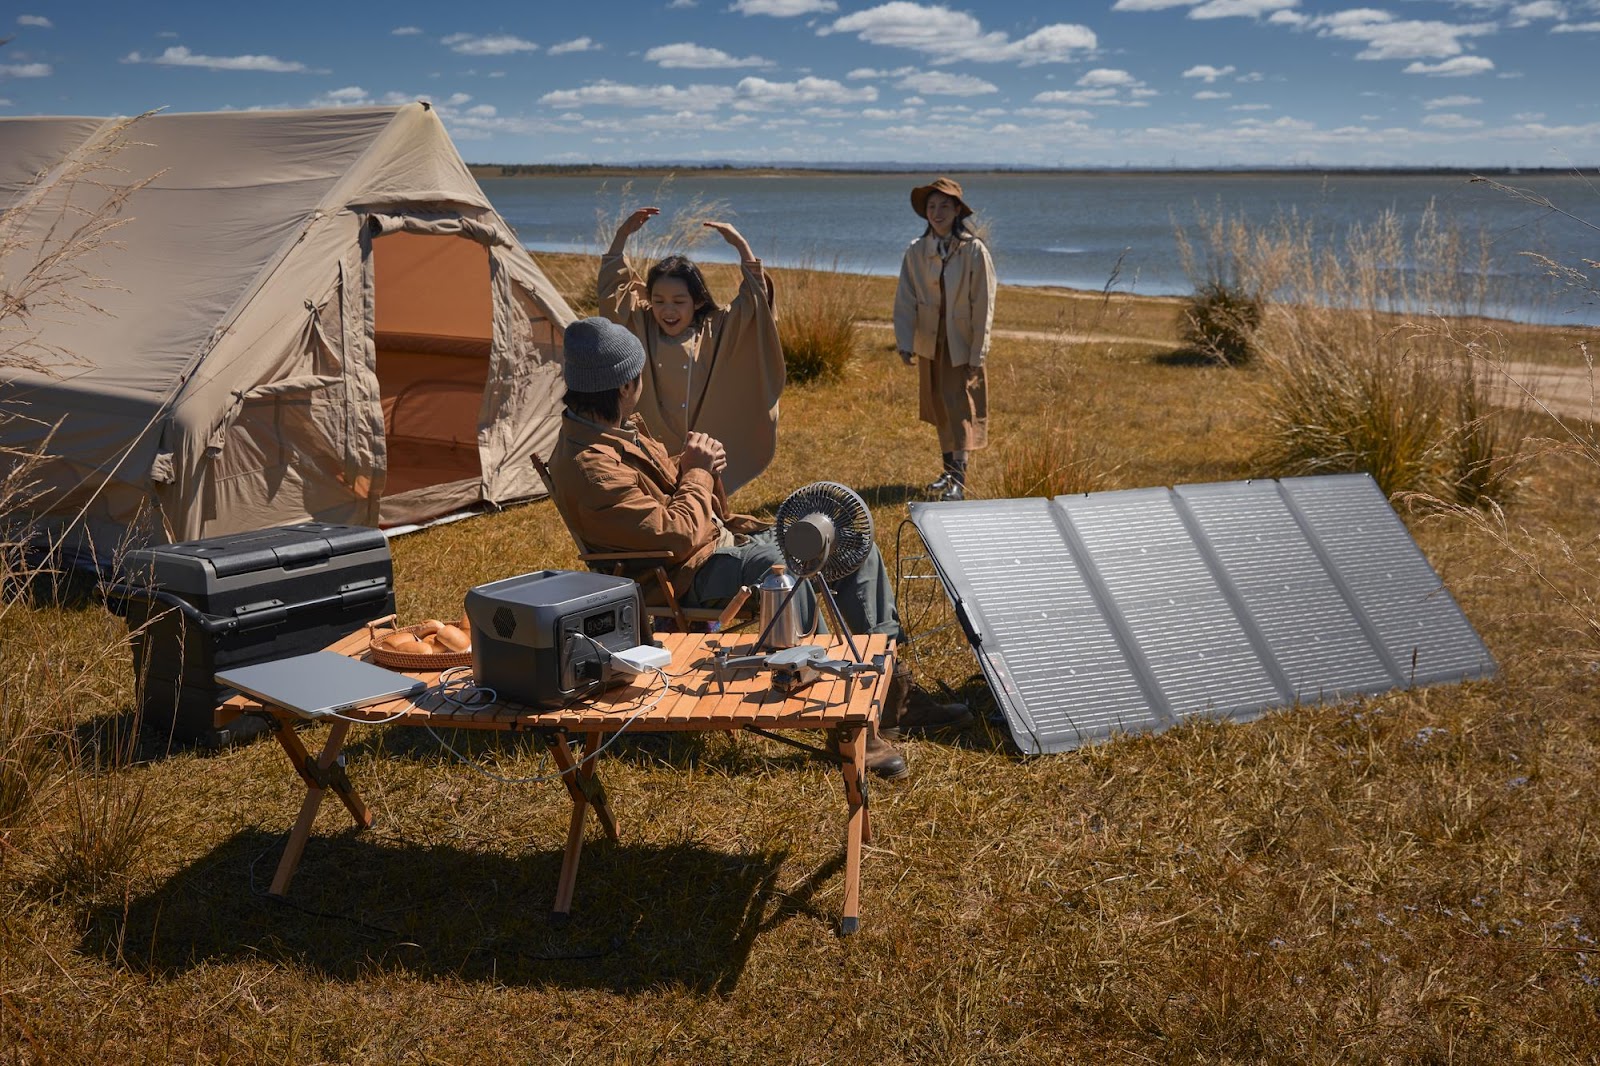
[(680, 267)]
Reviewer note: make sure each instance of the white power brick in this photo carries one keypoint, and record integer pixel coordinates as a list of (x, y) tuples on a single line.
[(641, 658)]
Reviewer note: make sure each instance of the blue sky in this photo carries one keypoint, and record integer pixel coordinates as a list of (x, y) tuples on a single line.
[(1109, 83)]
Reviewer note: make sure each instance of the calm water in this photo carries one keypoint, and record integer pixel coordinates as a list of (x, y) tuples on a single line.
[(1073, 230)]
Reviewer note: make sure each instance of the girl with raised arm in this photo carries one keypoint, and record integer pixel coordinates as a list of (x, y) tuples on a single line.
[(708, 368), (943, 316)]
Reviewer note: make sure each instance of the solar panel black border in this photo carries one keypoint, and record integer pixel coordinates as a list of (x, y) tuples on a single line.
[(1224, 599)]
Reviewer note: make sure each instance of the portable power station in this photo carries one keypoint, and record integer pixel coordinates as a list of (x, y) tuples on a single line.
[(543, 638)]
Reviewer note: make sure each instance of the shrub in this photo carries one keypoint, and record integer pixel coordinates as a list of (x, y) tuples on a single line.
[(817, 315), (1219, 321)]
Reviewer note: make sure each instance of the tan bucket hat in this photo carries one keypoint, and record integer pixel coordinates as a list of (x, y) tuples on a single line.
[(919, 197)]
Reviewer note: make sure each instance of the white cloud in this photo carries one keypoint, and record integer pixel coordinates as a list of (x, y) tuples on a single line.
[(179, 56), (1209, 73), (615, 94), (677, 5), (25, 70), (1389, 38), (1451, 122), (1208, 94), (471, 44), (1287, 18), (950, 36), (1210, 9), (1528, 116), (1253, 76), (1249, 107), (1524, 14), (1576, 27), (349, 96), (1459, 67), (687, 56), (753, 92), (1221, 9), (1103, 77), (405, 31), (783, 8), (939, 83), (35, 20), (577, 44), (1458, 100), (1087, 98)]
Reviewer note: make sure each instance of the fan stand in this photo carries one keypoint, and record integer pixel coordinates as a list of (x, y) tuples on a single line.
[(833, 615)]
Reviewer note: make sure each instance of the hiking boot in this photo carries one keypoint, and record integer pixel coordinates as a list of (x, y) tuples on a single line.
[(944, 480), (884, 759), (907, 710), (956, 487)]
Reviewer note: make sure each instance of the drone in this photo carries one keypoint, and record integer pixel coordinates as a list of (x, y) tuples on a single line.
[(793, 669)]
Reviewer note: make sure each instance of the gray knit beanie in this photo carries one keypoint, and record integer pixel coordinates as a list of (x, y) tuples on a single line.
[(601, 355)]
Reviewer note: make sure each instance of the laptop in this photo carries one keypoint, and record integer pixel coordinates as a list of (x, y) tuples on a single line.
[(320, 683)]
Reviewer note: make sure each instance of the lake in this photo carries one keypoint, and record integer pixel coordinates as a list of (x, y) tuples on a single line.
[(1082, 231)]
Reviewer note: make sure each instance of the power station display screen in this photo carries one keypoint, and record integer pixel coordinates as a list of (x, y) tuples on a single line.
[(598, 625)]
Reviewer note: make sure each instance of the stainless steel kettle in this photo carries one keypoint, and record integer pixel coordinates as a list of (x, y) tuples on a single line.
[(783, 630)]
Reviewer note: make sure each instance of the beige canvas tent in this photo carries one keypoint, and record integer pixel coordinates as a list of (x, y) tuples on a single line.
[(307, 315)]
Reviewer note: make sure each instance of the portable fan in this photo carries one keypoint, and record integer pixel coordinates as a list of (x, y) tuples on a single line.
[(824, 530)]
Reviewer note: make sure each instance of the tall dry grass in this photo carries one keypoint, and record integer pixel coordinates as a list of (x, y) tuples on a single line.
[(1373, 357), (819, 312), (61, 232)]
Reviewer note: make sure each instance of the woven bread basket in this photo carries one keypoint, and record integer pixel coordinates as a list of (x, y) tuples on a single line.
[(405, 660)]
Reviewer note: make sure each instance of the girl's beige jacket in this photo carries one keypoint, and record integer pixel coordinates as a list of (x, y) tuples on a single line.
[(969, 300)]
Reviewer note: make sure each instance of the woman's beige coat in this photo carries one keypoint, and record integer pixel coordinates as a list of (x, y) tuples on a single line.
[(969, 300), (738, 377)]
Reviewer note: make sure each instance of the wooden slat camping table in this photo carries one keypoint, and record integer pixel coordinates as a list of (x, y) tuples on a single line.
[(693, 703)]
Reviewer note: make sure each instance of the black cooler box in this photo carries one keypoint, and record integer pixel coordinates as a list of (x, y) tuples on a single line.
[(206, 605)]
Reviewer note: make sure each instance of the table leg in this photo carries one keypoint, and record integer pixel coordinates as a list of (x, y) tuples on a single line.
[(319, 775), (858, 826), (585, 790)]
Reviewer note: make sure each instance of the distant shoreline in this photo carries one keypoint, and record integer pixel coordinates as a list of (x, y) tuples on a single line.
[(491, 171)]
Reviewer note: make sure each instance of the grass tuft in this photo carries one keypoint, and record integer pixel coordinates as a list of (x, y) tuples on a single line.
[(818, 312)]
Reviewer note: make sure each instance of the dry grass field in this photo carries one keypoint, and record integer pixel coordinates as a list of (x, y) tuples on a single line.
[(1411, 878)]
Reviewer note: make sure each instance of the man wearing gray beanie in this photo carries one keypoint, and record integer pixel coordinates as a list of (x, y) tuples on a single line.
[(620, 491)]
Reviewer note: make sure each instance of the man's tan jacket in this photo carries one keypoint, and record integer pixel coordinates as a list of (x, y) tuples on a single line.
[(621, 494), (968, 300), (736, 380)]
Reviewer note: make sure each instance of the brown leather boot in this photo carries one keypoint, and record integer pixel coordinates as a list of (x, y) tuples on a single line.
[(884, 759), (908, 710)]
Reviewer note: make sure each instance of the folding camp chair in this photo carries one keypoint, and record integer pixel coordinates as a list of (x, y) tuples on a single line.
[(682, 618)]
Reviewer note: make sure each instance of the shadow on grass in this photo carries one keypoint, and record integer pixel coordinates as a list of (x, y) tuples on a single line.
[(643, 916), (1184, 357)]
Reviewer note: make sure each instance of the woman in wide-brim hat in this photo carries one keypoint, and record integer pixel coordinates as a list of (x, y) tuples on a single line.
[(943, 318)]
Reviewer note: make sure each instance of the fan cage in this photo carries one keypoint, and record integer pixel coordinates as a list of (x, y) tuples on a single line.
[(852, 523)]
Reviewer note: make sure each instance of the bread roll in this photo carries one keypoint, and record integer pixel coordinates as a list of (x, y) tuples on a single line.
[(451, 638), (465, 624), (429, 626), (403, 642)]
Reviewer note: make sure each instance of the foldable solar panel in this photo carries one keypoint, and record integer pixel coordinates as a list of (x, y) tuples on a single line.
[(1129, 611)]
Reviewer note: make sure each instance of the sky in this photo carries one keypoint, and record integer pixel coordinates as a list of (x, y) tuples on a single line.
[(1187, 83)]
